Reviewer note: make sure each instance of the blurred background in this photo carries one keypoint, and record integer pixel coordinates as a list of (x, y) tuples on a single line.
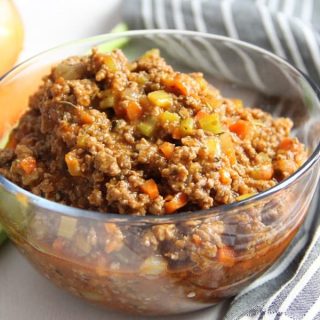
[(29, 27)]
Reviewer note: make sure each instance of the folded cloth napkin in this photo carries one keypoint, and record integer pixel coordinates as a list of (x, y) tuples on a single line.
[(290, 28)]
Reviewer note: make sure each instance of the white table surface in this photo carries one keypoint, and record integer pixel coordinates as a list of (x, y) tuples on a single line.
[(25, 294)]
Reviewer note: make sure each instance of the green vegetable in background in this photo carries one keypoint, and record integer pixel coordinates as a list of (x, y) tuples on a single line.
[(115, 44)]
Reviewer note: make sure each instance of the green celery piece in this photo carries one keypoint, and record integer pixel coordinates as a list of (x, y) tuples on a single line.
[(119, 43)]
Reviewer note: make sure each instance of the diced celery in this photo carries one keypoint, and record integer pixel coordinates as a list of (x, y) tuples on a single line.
[(118, 43), (107, 101), (151, 53), (142, 78), (211, 123), (214, 147), (67, 227), (81, 141), (169, 116), (160, 98), (147, 128), (186, 126)]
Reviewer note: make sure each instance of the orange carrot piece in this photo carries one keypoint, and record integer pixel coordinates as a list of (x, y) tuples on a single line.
[(264, 172), (226, 256), (181, 84), (73, 164), (172, 204), (225, 177), (286, 166), (150, 188), (286, 144), (241, 128), (196, 240), (167, 149), (28, 164), (228, 147), (176, 133), (85, 118), (133, 111)]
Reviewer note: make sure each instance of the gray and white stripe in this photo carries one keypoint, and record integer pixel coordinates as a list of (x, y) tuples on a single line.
[(289, 28)]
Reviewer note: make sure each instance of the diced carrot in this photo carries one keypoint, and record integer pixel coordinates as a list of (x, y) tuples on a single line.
[(172, 204), (286, 166), (85, 117), (196, 239), (226, 256), (167, 149), (264, 172), (176, 133), (28, 164), (180, 84), (72, 164), (133, 111), (241, 128), (225, 177), (228, 147), (200, 114), (286, 144), (150, 188)]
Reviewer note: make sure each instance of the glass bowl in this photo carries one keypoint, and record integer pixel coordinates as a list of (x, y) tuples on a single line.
[(184, 262)]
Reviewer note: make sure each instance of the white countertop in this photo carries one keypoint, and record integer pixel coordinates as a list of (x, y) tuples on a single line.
[(24, 293)]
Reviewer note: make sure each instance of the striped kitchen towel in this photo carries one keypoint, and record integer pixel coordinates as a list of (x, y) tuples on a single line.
[(291, 29)]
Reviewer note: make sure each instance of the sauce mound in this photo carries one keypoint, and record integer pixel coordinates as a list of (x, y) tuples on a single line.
[(110, 135)]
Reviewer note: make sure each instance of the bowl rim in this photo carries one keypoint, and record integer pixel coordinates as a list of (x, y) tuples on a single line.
[(186, 215)]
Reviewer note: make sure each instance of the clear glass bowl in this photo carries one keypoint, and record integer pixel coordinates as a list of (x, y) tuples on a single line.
[(157, 265)]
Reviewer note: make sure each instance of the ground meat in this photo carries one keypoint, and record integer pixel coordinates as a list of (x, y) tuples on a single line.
[(106, 134)]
